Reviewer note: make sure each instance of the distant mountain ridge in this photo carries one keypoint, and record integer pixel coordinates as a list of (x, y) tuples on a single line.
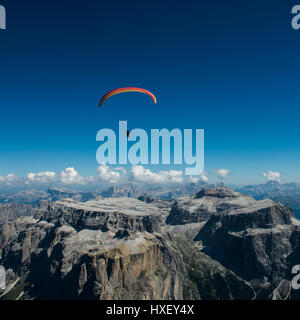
[(288, 193)]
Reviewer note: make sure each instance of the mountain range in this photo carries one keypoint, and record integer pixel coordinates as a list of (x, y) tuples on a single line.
[(213, 244), (288, 193)]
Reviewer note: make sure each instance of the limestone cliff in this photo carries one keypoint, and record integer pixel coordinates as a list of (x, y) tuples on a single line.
[(215, 244)]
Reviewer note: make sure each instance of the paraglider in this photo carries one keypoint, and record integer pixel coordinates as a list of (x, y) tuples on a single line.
[(126, 89)]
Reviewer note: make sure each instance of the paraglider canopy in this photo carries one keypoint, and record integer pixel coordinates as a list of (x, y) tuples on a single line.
[(127, 89)]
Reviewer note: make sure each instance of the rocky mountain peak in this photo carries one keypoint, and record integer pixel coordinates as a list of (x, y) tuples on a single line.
[(273, 183), (219, 192), (105, 214), (215, 244)]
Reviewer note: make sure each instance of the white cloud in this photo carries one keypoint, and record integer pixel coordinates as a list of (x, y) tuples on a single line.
[(140, 174), (9, 179), (41, 177), (223, 173), (104, 174), (203, 178), (272, 176), (71, 176), (111, 175), (67, 176)]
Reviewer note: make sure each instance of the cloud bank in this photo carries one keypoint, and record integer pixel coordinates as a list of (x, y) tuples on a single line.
[(68, 176), (104, 175), (272, 175)]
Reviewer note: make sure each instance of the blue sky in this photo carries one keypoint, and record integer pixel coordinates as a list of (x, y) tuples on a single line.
[(230, 67)]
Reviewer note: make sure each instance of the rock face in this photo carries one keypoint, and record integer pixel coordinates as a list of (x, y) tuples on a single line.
[(164, 206), (101, 249), (288, 193), (253, 241), (11, 229), (26, 196), (220, 192), (215, 244), (203, 204), (105, 214), (12, 211)]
